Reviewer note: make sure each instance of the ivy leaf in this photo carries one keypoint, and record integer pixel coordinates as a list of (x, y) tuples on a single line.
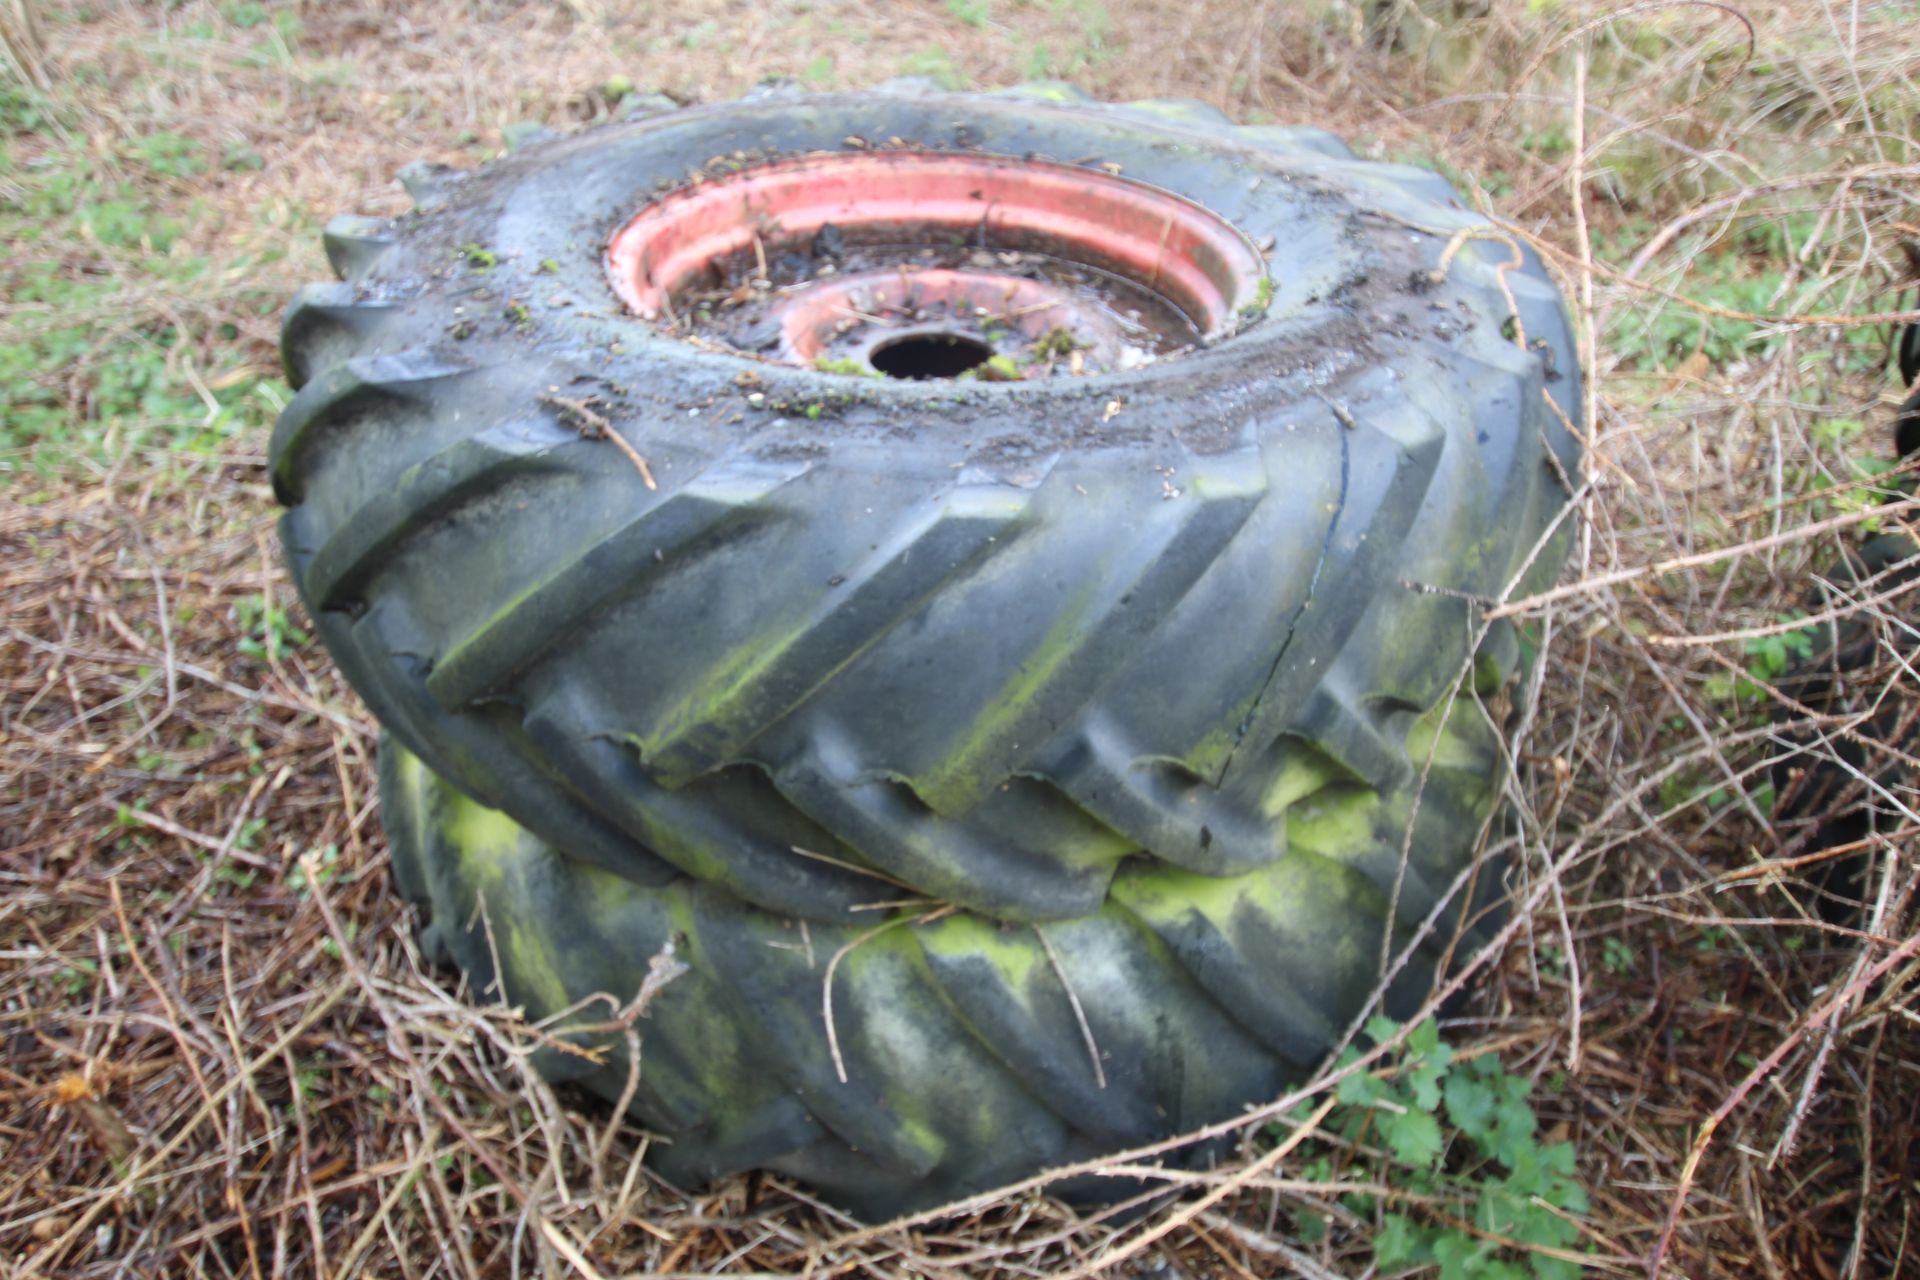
[(1545, 1268), (1414, 1137), (1401, 1243), (1360, 1090), (1469, 1106), (1424, 1040), (1424, 1081), (1463, 1258), (1513, 1134)]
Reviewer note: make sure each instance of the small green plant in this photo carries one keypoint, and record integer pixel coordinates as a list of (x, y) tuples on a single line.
[(1055, 344), (1094, 23), (1736, 274), (974, 13), (937, 65), (80, 375), (1768, 658), (266, 631), (77, 978), (477, 256), (326, 868), (843, 364), (1715, 937), (232, 873), (310, 1078), (1474, 1192), (1262, 299), (168, 154), (1548, 144), (1553, 961), (237, 157), (1616, 957)]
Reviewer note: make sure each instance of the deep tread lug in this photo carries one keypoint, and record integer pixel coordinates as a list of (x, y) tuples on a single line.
[(1129, 598), (430, 185), (697, 737), (354, 244), (527, 628), (326, 315), (423, 494), (340, 392)]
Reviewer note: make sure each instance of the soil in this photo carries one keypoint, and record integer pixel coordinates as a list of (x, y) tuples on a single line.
[(1088, 320)]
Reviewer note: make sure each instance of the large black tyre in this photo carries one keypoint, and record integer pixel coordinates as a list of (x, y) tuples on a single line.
[(1157, 660)]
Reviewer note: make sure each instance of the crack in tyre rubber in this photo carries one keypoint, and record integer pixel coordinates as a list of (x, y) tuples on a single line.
[(1293, 622)]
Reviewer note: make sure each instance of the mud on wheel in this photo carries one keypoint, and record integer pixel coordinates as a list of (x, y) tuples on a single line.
[(1011, 556)]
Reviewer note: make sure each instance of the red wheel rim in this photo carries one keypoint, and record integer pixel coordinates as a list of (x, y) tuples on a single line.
[(1163, 244)]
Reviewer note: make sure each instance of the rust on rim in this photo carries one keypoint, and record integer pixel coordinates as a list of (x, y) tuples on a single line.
[(916, 264)]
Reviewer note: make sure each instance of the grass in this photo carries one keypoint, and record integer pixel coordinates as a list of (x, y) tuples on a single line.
[(225, 1054)]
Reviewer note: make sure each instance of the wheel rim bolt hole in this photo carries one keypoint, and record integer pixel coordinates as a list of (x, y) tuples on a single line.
[(922, 357)]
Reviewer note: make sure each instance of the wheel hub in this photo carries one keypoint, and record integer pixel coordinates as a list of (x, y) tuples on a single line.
[(927, 265)]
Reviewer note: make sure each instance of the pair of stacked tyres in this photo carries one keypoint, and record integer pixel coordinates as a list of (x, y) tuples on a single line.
[(1024, 769)]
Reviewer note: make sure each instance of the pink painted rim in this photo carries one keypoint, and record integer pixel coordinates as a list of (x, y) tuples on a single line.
[(1188, 255)]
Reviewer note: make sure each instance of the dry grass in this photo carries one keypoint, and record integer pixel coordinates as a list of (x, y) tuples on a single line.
[(224, 1054)]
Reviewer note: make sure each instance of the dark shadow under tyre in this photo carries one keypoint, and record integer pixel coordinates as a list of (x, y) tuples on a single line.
[(1022, 549)]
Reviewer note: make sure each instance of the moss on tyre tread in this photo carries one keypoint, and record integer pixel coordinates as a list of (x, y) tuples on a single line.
[(965, 1062)]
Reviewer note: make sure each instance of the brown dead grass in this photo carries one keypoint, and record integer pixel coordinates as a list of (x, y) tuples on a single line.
[(224, 1055)]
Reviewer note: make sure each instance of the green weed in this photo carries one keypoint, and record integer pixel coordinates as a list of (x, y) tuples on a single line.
[(85, 373), (1459, 1139), (324, 873), (1743, 270), (843, 365), (1768, 658), (78, 977), (168, 154), (936, 65), (1056, 343), (266, 632), (975, 13)]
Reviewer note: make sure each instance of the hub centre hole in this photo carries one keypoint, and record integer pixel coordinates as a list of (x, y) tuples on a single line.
[(930, 355)]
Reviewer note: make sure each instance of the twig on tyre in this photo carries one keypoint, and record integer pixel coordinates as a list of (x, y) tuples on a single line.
[(826, 985), (592, 425), (1073, 999)]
